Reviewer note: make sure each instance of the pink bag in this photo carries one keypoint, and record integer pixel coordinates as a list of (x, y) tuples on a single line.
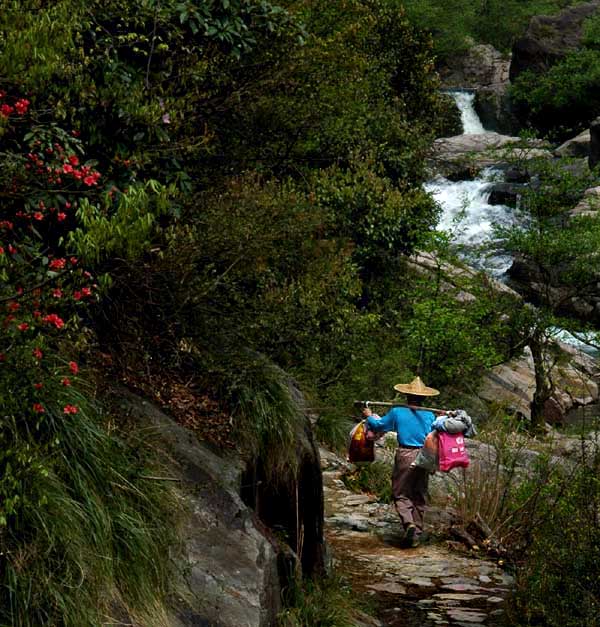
[(452, 451)]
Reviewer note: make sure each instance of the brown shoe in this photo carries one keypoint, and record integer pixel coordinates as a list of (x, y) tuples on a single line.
[(412, 536)]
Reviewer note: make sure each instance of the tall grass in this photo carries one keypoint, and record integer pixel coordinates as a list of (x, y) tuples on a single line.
[(98, 539), (327, 602), (268, 414)]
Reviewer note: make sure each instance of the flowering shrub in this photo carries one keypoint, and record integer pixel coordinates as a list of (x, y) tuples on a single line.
[(42, 292)]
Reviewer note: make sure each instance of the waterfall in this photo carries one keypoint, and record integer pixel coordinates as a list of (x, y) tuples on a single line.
[(468, 216), (465, 102)]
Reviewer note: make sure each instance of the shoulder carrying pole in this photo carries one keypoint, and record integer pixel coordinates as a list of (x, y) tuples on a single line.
[(435, 410)]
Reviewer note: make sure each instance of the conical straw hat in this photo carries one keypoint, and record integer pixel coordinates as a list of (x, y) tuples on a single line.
[(416, 387)]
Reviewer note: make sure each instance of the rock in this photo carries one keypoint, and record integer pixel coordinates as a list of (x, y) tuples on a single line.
[(481, 66), (504, 194), (594, 157), (467, 616), (458, 596), (463, 156), (576, 147), (588, 205), (550, 38), (229, 566), (389, 587), (513, 385)]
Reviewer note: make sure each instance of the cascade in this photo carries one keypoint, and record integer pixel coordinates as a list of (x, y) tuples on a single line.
[(466, 212), (465, 102)]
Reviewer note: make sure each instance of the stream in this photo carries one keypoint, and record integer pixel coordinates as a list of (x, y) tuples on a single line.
[(466, 211)]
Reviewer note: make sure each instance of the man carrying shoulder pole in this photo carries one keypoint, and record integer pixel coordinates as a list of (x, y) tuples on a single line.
[(412, 423)]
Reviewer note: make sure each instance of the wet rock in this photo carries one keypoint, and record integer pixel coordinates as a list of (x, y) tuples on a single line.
[(578, 146), (458, 596), (504, 194), (463, 156)]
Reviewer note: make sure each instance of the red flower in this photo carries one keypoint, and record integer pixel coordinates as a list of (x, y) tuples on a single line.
[(70, 409), (57, 264), (77, 295), (23, 326), (73, 160), (60, 216), (86, 291), (73, 367), (38, 386), (66, 381), (11, 249), (55, 320), (57, 293), (38, 215), (67, 168), (22, 105), (73, 261), (38, 408), (37, 353), (1, 250), (13, 306), (6, 110)]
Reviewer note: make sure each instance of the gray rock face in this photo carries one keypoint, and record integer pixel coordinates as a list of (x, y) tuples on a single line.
[(550, 38), (231, 567), (483, 66), (228, 568), (465, 155), (578, 146), (513, 384), (485, 70)]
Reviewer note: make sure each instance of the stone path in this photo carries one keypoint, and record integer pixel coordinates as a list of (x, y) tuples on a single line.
[(429, 586)]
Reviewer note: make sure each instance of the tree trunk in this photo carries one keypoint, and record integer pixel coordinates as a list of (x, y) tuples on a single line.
[(543, 389)]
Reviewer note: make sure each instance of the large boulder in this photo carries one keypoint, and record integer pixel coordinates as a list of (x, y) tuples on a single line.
[(550, 38), (463, 156), (512, 385), (578, 146), (232, 567), (482, 66)]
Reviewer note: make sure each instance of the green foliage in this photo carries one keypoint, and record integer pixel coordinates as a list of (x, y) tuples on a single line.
[(327, 602), (558, 578), (125, 226), (456, 24), (564, 100), (86, 531), (373, 478)]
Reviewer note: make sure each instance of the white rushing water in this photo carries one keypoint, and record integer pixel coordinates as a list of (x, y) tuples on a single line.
[(466, 105), (466, 212), (470, 219)]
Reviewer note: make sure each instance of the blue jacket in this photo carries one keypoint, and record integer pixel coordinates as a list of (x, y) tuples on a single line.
[(412, 426)]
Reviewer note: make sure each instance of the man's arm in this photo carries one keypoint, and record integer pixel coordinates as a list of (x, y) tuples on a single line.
[(379, 424)]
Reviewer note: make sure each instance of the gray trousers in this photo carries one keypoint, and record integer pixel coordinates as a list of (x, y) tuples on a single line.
[(409, 488)]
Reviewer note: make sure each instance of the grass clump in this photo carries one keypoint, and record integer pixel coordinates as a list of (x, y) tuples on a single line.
[(90, 537), (327, 602)]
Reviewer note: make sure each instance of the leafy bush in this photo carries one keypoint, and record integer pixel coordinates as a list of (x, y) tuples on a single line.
[(557, 578)]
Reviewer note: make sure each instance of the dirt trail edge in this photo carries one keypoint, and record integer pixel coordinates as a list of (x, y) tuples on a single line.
[(429, 586)]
